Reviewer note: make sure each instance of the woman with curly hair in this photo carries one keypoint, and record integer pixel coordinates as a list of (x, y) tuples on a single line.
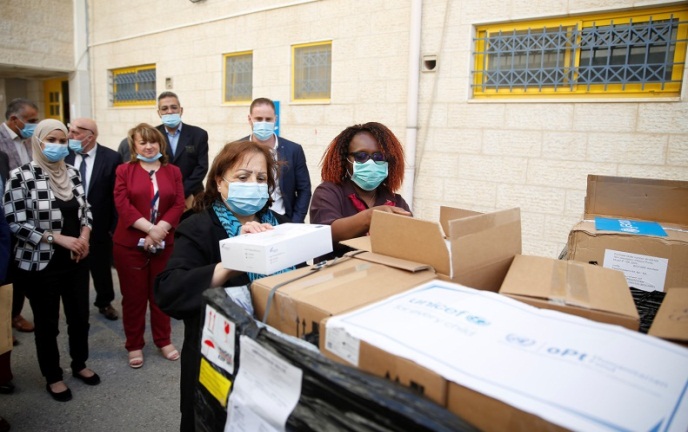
[(362, 169)]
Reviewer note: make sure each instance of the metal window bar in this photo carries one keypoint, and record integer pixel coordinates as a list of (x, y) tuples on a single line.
[(610, 54), (313, 72), (135, 86), (239, 78)]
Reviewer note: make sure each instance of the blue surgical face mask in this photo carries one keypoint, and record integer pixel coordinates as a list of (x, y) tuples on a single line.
[(171, 120), (263, 130), (75, 146), (369, 175), (27, 130), (149, 159), (55, 152), (246, 199)]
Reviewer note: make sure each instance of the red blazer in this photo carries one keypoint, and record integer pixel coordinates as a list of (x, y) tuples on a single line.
[(132, 200)]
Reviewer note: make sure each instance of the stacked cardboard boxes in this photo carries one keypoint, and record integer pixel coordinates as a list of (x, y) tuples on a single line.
[(650, 262)]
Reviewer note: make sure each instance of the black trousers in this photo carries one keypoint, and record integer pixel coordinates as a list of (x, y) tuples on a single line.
[(44, 289), (99, 263)]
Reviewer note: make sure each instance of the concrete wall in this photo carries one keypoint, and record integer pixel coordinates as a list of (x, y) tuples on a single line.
[(36, 38), (472, 154)]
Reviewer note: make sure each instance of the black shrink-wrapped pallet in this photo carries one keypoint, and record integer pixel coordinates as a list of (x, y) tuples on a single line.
[(334, 397)]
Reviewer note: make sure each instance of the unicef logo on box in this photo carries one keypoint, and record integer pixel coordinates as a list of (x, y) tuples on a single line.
[(627, 226)]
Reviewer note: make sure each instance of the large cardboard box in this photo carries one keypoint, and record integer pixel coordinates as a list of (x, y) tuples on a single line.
[(671, 321), (274, 250), (5, 318), (581, 289), (338, 346), (304, 297), (649, 262), (467, 247), (510, 366)]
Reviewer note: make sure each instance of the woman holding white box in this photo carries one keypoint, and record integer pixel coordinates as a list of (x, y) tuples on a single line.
[(236, 201)]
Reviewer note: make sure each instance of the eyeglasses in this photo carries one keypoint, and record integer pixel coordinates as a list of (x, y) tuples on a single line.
[(362, 157)]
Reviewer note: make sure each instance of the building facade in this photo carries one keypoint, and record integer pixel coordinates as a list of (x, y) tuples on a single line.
[(499, 104)]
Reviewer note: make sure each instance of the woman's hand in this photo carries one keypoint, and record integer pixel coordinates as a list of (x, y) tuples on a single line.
[(77, 245), (157, 234), (254, 227), (390, 209)]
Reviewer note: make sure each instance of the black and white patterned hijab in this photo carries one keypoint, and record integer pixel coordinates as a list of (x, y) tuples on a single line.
[(57, 173)]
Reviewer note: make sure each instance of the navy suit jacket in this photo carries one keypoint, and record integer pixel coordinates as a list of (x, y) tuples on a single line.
[(101, 187), (294, 179), (191, 156)]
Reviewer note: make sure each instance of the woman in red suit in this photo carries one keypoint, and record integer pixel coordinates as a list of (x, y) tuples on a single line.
[(149, 197)]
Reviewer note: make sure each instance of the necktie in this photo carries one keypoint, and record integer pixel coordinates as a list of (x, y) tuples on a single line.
[(82, 171)]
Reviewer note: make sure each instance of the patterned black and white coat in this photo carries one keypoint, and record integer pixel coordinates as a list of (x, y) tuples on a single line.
[(31, 210)]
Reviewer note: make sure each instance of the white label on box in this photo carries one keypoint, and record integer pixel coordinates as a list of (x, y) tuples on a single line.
[(569, 370), (266, 390), (644, 272), (341, 343), (217, 343)]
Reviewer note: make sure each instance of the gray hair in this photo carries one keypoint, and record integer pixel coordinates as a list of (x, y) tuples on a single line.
[(17, 106)]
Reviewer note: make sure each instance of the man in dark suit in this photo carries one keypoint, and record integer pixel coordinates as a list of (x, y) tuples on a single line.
[(187, 145), (97, 165), (292, 196)]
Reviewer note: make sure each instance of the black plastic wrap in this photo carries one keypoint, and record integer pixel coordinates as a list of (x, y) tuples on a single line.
[(647, 303), (334, 396)]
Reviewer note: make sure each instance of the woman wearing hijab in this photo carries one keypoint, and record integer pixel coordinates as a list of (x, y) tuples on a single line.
[(149, 198), (48, 214)]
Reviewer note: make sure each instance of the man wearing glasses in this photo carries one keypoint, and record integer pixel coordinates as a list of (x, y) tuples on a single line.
[(97, 165)]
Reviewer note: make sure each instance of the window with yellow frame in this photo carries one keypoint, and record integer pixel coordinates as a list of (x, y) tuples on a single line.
[(238, 77), (312, 71), (638, 53), (134, 86)]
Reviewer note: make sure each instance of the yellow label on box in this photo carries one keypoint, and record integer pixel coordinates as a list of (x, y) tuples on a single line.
[(214, 382)]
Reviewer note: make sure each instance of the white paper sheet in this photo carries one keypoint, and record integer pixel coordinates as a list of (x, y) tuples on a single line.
[(266, 391), (217, 342), (644, 272), (571, 371)]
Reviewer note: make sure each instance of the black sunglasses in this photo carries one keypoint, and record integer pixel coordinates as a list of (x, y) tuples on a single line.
[(362, 157)]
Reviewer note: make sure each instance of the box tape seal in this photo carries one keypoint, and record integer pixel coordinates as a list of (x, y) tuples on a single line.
[(314, 269)]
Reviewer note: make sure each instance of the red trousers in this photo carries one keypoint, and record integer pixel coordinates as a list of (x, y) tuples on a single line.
[(137, 271)]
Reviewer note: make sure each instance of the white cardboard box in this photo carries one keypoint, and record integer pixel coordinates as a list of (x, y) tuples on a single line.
[(274, 250), (536, 363)]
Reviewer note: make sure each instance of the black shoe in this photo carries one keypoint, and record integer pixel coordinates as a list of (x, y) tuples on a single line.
[(64, 396), (7, 388), (109, 312), (92, 380)]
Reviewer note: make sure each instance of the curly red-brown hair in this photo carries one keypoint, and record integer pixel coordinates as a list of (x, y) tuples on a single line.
[(334, 161)]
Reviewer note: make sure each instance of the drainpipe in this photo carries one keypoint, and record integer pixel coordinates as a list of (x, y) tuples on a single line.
[(412, 102)]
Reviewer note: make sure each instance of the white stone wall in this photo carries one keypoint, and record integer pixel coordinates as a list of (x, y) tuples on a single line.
[(38, 35), (533, 155), (471, 154)]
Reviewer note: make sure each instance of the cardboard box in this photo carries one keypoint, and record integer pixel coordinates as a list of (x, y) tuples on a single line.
[(467, 247), (274, 250), (671, 321), (5, 318), (306, 296), (371, 359), (510, 366), (581, 289), (649, 262)]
